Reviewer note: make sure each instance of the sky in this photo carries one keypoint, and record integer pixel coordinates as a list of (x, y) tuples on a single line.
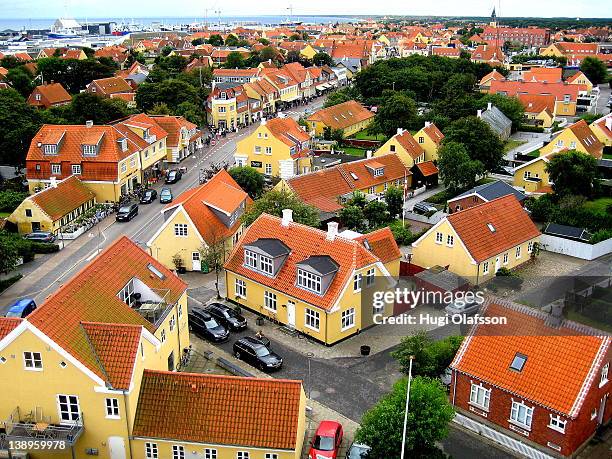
[(34, 9)]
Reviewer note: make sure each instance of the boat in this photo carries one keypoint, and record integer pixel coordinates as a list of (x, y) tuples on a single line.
[(66, 28)]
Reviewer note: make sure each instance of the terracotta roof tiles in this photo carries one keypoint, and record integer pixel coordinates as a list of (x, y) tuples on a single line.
[(68, 195), (8, 324), (342, 115)]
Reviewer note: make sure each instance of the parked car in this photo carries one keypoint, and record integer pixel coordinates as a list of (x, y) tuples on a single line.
[(148, 196), (424, 208), (165, 196), (254, 352), (173, 176), (463, 307), (21, 308), (446, 377), (205, 326), (326, 441), (358, 451), (227, 316), (127, 212), (41, 236)]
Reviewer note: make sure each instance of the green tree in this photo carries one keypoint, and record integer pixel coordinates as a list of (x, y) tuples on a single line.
[(457, 170), (509, 106), (231, 40), (573, 173), (431, 357), (352, 217), (165, 50), (90, 107), (322, 58), (19, 122), (397, 111), (273, 202), (357, 199), (340, 96), (428, 418), (269, 54), (594, 69), (197, 41), (170, 92), (215, 40), (159, 109), (9, 252), (21, 80), (174, 64), (264, 41), (295, 36), (293, 56), (376, 213), (249, 179), (10, 199), (481, 143), (235, 60), (191, 112), (394, 197)]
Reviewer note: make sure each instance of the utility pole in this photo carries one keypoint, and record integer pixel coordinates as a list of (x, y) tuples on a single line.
[(407, 404)]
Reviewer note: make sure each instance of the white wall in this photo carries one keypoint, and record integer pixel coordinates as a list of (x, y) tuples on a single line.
[(574, 248)]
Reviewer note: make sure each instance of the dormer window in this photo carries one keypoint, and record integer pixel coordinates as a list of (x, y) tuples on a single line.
[(308, 281), (491, 227), (50, 149), (123, 144), (223, 95), (250, 259), (89, 150), (379, 171), (265, 255)]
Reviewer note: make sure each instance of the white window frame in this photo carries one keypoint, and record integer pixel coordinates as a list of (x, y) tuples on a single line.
[(243, 455), (210, 453), (76, 169), (70, 404), (357, 282), (270, 301), (162, 335), (56, 169), (151, 450), (530, 247), (50, 149), (240, 288), (485, 267), (271, 456), (178, 452), (89, 150), (557, 423), (517, 252), (480, 396), (250, 259), (257, 150), (312, 319), (439, 238), (309, 281), (370, 273), (265, 265), (604, 374), (450, 240), (347, 319), (32, 361), (111, 406), (172, 322), (515, 415), (180, 230), (505, 260), (268, 151), (268, 169)]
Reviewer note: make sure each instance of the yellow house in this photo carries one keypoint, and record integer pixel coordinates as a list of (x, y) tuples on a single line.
[(552, 50), (476, 242), (405, 147), (206, 216), (308, 52), (602, 128), (316, 282), (278, 147), (539, 108), (580, 79), (532, 176), (287, 87), (578, 136), (429, 138), (53, 207), (183, 137), (350, 117)]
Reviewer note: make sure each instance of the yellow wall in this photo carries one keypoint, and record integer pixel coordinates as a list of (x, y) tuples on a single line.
[(565, 108), (319, 127), (308, 52), (551, 50), (565, 139), (401, 153), (24, 223), (430, 147), (223, 110), (536, 169), (603, 138)]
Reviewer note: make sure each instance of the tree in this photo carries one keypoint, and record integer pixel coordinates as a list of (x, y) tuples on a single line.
[(376, 213), (171, 92), (573, 173), (159, 109), (234, 60), (293, 56), (509, 106), (249, 179), (269, 54), (174, 64), (357, 199), (340, 96), (322, 58), (21, 80), (295, 36), (394, 197), (166, 50), (231, 40), (428, 418), (197, 41), (19, 122), (431, 357), (275, 201), (397, 111), (90, 107), (352, 217), (75, 74), (594, 69), (264, 41), (457, 170), (9, 252), (213, 253), (481, 143), (215, 40), (10, 200)]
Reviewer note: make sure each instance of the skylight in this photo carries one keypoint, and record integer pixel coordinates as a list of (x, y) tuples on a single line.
[(354, 176), (491, 227), (156, 271), (518, 362)]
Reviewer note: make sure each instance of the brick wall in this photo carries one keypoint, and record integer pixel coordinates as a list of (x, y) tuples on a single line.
[(464, 203)]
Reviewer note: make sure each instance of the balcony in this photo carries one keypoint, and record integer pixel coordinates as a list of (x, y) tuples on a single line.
[(149, 302), (150, 139), (34, 426)]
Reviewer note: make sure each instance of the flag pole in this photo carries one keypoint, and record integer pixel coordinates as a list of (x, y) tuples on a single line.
[(407, 404)]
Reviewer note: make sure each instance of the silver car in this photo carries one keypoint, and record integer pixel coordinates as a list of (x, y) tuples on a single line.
[(463, 308), (357, 451)]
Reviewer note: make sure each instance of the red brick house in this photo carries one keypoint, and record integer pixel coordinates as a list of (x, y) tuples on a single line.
[(49, 95), (538, 384)]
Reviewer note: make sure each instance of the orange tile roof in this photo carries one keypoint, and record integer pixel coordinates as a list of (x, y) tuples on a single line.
[(224, 410), (427, 168), (493, 75), (536, 103), (512, 227), (221, 192), (342, 115), (287, 130), (541, 74), (113, 85), (561, 361), (577, 48), (513, 88), (382, 244), (408, 143), (8, 324), (488, 53), (434, 133), (303, 242), (601, 123), (84, 298), (68, 195), (172, 125), (585, 136), (54, 93)]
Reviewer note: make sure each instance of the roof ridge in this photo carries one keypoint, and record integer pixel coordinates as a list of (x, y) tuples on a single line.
[(94, 352), (221, 377)]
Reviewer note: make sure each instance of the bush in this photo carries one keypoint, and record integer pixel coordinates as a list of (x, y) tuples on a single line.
[(9, 200), (6, 283), (529, 128), (403, 236), (43, 247), (601, 235)]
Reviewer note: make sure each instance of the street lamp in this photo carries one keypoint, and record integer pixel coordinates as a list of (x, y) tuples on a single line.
[(407, 404)]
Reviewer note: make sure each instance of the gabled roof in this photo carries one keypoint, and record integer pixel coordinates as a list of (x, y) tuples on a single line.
[(85, 298), (342, 115), (433, 133), (496, 120), (405, 139), (304, 242), (537, 103), (511, 223), (562, 361), (8, 324), (172, 125), (513, 88), (427, 168), (224, 410), (54, 93), (544, 74), (287, 130), (493, 75), (68, 195), (587, 138), (382, 244), (492, 190), (113, 85)]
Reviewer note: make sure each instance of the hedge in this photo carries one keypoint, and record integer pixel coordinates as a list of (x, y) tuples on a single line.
[(6, 283), (528, 128)]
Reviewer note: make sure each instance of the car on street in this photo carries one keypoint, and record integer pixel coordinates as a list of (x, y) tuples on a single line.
[(326, 441), (127, 212), (256, 353), (463, 307), (40, 236), (227, 316), (148, 196), (205, 326), (173, 176), (358, 451), (424, 208), (447, 377), (21, 308), (165, 196)]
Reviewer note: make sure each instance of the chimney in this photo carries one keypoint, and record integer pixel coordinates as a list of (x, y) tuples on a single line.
[(369, 154), (263, 121), (427, 124), (609, 123), (489, 105), (479, 114), (53, 182), (287, 217), (88, 123), (332, 231), (400, 131)]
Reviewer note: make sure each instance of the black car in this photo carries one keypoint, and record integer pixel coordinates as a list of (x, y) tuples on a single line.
[(148, 196), (127, 212), (227, 316), (173, 176), (40, 236), (205, 326), (253, 351)]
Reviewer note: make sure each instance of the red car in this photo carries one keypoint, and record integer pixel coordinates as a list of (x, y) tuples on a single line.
[(327, 440)]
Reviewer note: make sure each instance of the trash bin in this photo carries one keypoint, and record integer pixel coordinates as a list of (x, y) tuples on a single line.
[(365, 350), (259, 321)]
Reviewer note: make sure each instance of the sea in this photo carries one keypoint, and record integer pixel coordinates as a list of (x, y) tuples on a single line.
[(41, 24)]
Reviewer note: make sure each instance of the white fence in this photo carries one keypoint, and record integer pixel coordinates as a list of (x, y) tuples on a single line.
[(435, 218), (498, 437), (574, 248)]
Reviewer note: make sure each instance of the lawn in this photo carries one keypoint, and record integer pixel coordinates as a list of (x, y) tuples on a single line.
[(607, 156), (598, 205), (511, 144), (4, 214), (535, 153), (353, 151), (364, 135)]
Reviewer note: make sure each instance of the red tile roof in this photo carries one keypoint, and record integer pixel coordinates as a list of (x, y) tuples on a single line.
[(408, 143), (543, 74), (303, 242), (511, 223), (587, 138), (84, 298), (382, 244), (112, 85), (8, 324), (434, 133), (68, 195), (225, 410), (342, 115), (287, 130), (513, 88), (493, 75), (561, 361), (536, 103), (427, 168), (173, 125), (52, 94)]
